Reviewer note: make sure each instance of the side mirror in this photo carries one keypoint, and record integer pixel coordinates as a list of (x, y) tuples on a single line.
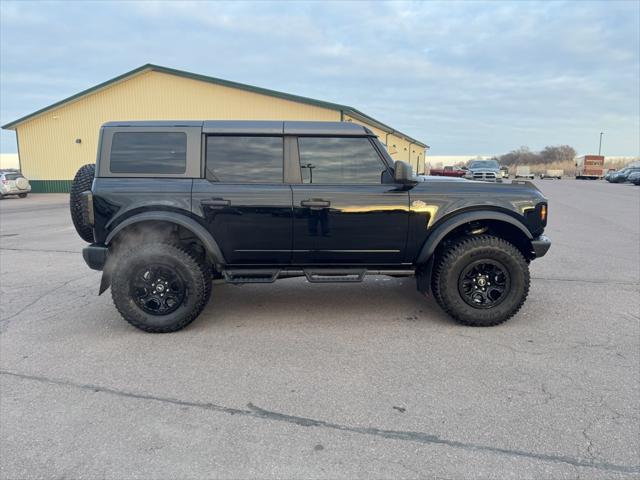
[(403, 173)]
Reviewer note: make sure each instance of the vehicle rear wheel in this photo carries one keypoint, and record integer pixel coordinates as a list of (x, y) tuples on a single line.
[(481, 280), (22, 195), (81, 183), (159, 287)]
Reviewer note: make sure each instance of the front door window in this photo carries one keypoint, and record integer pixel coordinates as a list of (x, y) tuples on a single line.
[(332, 161)]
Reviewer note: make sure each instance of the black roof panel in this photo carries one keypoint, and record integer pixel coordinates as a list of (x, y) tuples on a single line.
[(325, 128), (254, 127)]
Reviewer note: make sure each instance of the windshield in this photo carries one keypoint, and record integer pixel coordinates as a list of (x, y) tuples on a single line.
[(484, 164)]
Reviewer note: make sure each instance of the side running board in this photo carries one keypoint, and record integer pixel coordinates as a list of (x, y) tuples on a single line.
[(313, 275), (250, 276), (332, 275)]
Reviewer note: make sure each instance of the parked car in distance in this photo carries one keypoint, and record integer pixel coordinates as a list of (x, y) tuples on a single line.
[(634, 178), (524, 171), (163, 228), (589, 167), (622, 175), (504, 172), (484, 170), (12, 182), (552, 173), (612, 175), (447, 171)]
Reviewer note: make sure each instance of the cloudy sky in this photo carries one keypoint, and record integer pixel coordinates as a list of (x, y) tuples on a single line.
[(467, 78)]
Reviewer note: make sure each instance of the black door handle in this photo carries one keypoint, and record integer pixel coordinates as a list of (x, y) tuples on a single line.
[(315, 204), (215, 202)]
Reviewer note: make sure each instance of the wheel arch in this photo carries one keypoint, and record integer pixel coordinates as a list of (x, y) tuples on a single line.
[(210, 245), (500, 223)]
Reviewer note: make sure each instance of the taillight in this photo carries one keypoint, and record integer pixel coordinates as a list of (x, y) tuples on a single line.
[(4, 182), (543, 213)]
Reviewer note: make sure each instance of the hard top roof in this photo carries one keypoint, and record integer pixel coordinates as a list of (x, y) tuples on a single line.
[(255, 127)]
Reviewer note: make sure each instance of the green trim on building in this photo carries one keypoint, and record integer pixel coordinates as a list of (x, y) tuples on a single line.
[(225, 83), (50, 186)]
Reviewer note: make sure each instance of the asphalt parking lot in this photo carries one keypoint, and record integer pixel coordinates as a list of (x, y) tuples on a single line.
[(292, 380)]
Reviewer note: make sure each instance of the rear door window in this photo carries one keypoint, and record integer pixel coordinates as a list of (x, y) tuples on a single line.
[(149, 152), (244, 159)]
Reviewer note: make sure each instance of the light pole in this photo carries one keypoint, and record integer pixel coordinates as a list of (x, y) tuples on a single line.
[(600, 145)]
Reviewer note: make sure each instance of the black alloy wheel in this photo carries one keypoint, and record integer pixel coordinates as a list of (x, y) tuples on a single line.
[(484, 283), (157, 289)]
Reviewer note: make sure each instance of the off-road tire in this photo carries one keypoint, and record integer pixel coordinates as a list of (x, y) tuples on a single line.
[(207, 272), (198, 286), (450, 265), (81, 183)]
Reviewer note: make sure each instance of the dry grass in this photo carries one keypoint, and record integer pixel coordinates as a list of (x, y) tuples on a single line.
[(567, 166), (618, 164)]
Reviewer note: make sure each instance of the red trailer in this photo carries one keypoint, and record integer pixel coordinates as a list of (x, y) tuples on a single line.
[(589, 167)]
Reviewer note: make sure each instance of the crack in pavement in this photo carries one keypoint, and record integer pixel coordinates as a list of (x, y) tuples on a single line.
[(254, 411), (584, 280), (78, 252), (5, 321)]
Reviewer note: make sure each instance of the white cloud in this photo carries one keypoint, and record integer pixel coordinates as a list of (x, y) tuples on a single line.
[(465, 77)]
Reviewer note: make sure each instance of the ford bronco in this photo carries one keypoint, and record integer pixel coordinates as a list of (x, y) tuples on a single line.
[(170, 206)]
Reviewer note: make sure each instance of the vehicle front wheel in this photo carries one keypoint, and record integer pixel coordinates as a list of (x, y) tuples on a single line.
[(481, 280), (159, 287)]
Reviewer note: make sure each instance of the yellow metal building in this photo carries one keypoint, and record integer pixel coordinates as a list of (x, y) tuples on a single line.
[(57, 140)]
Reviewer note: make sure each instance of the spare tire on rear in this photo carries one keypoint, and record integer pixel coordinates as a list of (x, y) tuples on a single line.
[(81, 183), (22, 183)]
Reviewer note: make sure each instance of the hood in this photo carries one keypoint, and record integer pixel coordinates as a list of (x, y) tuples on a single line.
[(438, 178), (484, 169)]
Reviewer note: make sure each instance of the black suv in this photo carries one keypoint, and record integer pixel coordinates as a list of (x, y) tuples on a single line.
[(169, 206)]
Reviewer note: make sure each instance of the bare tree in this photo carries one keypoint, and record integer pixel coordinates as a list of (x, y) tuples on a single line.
[(549, 154)]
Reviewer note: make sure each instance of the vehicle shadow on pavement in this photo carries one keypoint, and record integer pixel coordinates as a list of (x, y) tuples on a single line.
[(378, 299)]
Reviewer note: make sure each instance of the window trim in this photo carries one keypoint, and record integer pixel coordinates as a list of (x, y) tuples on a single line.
[(383, 161), (192, 167), (243, 135)]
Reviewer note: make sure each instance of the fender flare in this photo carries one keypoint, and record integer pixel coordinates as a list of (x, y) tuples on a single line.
[(446, 227), (190, 224)]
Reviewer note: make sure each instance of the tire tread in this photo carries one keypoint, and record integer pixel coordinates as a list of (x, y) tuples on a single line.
[(82, 182)]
